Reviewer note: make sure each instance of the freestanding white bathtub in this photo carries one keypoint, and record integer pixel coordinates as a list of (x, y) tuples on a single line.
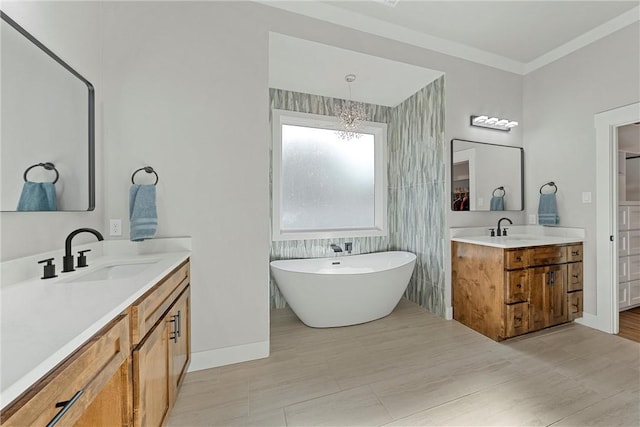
[(346, 290)]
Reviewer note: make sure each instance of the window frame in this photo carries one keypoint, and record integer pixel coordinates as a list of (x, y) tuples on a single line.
[(378, 130)]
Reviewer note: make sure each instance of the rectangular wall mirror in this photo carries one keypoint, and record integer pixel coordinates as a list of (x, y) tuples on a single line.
[(47, 128), (486, 177)]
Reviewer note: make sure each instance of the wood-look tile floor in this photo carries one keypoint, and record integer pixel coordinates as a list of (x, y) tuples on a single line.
[(413, 368)]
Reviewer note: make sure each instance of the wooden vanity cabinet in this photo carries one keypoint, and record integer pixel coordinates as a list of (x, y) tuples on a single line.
[(89, 388), (503, 293), (161, 352)]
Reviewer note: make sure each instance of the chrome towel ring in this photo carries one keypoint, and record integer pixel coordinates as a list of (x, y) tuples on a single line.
[(550, 184), (147, 169), (47, 165), (504, 193)]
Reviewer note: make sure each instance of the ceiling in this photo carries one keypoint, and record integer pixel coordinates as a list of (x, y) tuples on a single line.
[(516, 36), (309, 67)]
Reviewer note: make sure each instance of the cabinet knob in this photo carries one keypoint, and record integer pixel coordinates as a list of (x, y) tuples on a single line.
[(519, 286), (575, 253), (575, 276), (518, 258)]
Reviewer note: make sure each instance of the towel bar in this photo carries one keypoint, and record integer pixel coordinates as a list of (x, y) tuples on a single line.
[(47, 165), (147, 169), (551, 184)]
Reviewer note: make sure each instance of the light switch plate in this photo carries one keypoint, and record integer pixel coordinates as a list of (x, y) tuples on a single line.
[(586, 197)]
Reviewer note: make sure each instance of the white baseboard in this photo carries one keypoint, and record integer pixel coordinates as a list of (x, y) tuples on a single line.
[(594, 322), (228, 355), (448, 313)]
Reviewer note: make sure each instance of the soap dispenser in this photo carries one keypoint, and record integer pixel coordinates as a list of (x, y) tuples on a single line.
[(49, 269)]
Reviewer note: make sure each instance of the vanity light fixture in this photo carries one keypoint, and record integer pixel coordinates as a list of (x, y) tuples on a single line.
[(351, 114), (493, 123)]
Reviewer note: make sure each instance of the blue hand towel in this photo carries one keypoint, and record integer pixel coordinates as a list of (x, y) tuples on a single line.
[(38, 196), (497, 203), (548, 210), (143, 215)]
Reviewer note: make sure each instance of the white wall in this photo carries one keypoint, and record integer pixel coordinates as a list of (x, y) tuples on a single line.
[(186, 92), (560, 102), (71, 30)]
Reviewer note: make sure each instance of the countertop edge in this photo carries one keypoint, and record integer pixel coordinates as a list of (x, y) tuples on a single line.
[(15, 390)]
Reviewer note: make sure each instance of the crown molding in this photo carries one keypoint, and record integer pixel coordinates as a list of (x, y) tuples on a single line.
[(338, 16), (345, 18), (585, 39)]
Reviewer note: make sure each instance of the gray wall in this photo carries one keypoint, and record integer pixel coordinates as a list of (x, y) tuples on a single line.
[(560, 101), (185, 90)]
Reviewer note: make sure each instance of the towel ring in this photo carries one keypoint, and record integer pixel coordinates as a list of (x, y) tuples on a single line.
[(147, 169), (47, 165), (551, 184), (504, 193)]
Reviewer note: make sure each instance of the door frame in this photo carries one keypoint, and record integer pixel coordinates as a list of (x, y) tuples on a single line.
[(606, 125)]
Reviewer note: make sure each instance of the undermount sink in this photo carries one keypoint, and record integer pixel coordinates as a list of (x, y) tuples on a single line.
[(113, 271)]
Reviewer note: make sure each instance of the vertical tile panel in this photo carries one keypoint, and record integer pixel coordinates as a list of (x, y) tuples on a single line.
[(416, 183)]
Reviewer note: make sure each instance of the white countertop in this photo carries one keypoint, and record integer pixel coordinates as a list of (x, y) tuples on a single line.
[(519, 236), (44, 321)]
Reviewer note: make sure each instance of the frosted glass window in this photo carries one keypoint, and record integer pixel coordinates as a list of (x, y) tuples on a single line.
[(324, 186), (327, 183)]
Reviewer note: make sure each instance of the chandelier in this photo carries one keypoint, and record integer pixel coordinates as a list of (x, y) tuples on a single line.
[(351, 114)]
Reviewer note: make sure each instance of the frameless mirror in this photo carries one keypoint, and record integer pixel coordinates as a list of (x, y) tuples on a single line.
[(47, 128), (486, 177)]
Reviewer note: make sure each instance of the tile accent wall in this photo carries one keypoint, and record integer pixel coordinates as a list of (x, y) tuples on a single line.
[(416, 185)]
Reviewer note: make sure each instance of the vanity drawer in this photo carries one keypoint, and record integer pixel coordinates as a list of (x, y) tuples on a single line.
[(516, 319), (574, 253), (575, 304), (515, 258), (149, 308), (77, 381), (547, 255), (517, 286), (574, 282)]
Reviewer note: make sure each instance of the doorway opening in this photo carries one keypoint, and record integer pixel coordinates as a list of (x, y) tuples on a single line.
[(608, 240)]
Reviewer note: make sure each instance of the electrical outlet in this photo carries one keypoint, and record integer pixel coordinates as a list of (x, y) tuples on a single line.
[(115, 227), (532, 219)]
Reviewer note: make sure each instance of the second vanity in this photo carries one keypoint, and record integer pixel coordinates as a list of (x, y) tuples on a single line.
[(508, 286), (107, 345)]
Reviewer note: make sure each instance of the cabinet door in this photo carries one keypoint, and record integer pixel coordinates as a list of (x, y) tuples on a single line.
[(179, 342), (556, 295), (623, 218), (634, 292), (634, 217), (633, 247), (548, 296), (150, 378), (623, 295), (537, 286)]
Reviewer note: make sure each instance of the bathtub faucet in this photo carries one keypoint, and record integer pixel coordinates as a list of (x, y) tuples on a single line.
[(336, 249)]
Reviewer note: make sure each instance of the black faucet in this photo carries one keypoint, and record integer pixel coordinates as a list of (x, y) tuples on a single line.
[(336, 248), (499, 232), (67, 260)]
